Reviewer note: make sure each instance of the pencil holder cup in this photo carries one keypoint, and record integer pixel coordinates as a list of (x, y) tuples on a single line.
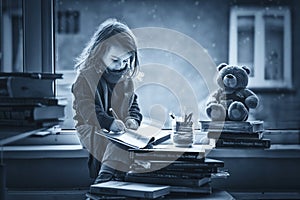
[(182, 134)]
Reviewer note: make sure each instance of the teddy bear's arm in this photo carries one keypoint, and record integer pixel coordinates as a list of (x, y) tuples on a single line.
[(251, 100)]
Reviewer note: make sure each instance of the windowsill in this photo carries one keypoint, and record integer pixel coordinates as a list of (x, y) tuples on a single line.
[(275, 151), (67, 145), (273, 90)]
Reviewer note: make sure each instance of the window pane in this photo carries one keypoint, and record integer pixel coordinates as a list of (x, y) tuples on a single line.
[(246, 42), (68, 45), (11, 50), (76, 21), (273, 47)]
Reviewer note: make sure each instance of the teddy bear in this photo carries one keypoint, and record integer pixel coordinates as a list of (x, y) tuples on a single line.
[(232, 101)]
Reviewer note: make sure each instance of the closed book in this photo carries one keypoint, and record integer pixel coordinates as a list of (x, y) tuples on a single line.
[(170, 153), (93, 196), (33, 75), (206, 170), (171, 174), (232, 126), (130, 189), (204, 189), (31, 113), (131, 177), (179, 164), (32, 101), (27, 84), (230, 135), (30, 123), (244, 143), (165, 155)]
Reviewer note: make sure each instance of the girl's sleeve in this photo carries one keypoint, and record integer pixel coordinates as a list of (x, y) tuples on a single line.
[(88, 108), (134, 110)]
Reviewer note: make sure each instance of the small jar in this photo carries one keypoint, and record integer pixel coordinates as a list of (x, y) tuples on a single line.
[(182, 134)]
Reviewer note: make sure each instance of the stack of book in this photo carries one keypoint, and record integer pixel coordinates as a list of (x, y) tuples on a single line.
[(159, 167), (239, 134), (184, 170), (28, 99)]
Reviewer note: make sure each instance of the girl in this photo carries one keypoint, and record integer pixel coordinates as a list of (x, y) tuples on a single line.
[(104, 96)]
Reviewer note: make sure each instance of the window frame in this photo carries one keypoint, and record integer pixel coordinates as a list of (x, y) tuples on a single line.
[(258, 80), (37, 37), (38, 27)]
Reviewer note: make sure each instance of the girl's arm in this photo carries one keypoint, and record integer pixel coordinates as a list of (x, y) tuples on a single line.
[(89, 110), (134, 111)]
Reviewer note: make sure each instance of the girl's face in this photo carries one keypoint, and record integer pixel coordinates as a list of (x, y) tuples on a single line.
[(117, 58)]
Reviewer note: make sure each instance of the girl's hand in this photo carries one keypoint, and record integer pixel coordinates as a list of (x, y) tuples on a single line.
[(117, 126), (132, 124)]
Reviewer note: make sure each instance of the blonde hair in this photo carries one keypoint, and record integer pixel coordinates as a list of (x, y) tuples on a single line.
[(109, 32)]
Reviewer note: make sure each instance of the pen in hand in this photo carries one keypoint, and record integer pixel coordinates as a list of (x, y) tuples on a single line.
[(113, 112), (119, 125)]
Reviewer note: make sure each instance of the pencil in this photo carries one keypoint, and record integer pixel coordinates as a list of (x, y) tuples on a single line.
[(113, 112)]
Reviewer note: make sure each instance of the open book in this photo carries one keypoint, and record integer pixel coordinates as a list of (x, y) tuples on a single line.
[(144, 137)]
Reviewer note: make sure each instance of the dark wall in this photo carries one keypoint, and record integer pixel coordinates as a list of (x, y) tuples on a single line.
[(205, 21), (280, 108)]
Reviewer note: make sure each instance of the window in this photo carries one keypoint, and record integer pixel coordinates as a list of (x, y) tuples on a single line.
[(68, 22), (11, 50), (76, 21), (260, 38)]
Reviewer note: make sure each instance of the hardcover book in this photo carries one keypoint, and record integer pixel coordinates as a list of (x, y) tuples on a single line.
[(171, 174), (170, 168), (232, 126), (244, 143), (171, 181), (34, 101), (91, 196), (27, 84), (204, 189), (179, 164), (130, 189), (229, 135), (31, 113)]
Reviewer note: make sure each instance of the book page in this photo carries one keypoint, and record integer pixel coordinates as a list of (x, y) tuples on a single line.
[(138, 139)]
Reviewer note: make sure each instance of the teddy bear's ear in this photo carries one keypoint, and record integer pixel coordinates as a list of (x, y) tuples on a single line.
[(246, 69), (221, 66)]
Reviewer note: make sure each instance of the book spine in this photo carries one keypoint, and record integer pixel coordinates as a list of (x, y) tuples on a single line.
[(246, 143), (33, 75), (205, 189), (167, 181), (166, 156), (10, 101), (31, 113), (180, 164), (26, 87), (194, 170), (173, 174), (190, 165), (207, 170), (230, 126), (218, 135), (10, 113)]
